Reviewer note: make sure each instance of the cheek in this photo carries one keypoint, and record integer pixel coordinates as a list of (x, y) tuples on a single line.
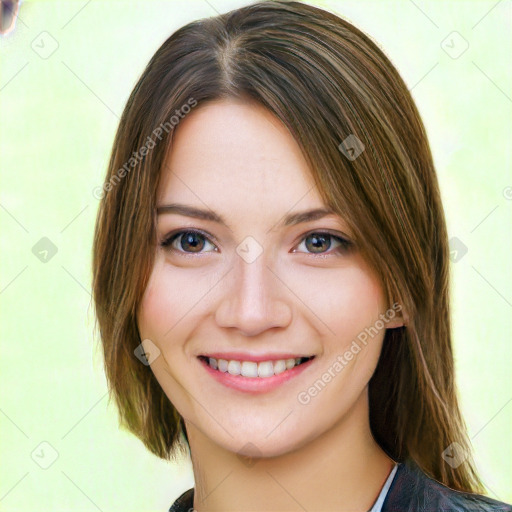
[(172, 301), (345, 300), (159, 308), (152, 312)]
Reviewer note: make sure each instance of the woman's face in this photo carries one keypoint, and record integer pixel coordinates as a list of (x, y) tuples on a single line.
[(257, 288)]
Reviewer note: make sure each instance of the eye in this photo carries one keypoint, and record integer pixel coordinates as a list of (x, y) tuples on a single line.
[(317, 242), (193, 242), (189, 241)]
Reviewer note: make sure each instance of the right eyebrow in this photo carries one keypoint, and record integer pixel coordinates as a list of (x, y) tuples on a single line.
[(191, 211)]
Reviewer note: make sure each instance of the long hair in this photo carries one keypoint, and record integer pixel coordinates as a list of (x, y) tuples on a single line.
[(360, 132)]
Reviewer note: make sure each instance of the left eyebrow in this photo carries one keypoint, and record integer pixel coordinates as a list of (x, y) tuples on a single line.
[(291, 219), (306, 216)]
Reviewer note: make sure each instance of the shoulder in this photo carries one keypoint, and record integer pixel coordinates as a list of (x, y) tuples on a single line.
[(185, 503), (413, 491)]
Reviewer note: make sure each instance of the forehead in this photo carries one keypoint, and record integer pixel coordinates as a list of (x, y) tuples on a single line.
[(230, 148)]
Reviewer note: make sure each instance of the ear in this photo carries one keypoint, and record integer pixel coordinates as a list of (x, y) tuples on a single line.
[(396, 316), (398, 321)]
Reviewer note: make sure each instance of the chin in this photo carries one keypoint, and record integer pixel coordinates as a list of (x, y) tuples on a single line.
[(257, 446)]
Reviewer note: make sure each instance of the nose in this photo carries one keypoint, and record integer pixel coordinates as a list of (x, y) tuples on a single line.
[(8, 14), (254, 299)]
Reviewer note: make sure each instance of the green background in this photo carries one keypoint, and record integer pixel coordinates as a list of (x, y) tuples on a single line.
[(58, 116)]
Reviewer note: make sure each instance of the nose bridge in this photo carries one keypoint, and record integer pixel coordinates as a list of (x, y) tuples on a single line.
[(254, 299), (252, 283)]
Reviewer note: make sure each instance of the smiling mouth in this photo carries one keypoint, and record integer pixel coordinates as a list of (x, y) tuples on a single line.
[(251, 369)]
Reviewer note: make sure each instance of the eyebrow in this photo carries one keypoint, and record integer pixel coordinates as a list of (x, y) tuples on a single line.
[(289, 220)]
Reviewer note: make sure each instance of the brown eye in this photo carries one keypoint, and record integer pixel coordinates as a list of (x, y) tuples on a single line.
[(320, 242), (186, 242)]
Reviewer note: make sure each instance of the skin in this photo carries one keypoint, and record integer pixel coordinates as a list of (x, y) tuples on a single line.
[(268, 451)]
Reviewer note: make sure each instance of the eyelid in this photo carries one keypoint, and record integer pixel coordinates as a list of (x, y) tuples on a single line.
[(334, 233), (181, 231)]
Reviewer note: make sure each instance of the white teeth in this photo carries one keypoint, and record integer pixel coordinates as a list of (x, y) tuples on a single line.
[(252, 369), (265, 369), (249, 369), (279, 366), (290, 363), (234, 367)]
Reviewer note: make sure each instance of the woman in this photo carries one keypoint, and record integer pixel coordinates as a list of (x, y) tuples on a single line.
[(271, 273)]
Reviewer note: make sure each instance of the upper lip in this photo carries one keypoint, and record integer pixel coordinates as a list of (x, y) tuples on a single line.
[(243, 356)]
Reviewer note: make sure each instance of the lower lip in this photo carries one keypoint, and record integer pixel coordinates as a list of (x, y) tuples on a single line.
[(255, 385)]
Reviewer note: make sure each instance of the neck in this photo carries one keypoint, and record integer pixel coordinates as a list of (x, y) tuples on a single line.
[(341, 469)]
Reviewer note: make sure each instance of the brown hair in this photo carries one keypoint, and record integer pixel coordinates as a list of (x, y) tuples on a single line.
[(325, 80)]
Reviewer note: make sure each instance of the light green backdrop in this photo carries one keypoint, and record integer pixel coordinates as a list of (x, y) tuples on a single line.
[(66, 72)]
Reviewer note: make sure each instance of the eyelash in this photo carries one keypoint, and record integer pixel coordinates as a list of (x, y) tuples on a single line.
[(345, 245)]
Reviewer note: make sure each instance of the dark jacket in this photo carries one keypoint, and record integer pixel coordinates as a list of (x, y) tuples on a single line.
[(411, 491)]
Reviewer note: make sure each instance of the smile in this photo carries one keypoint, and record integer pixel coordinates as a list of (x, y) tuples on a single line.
[(251, 369), (254, 377)]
